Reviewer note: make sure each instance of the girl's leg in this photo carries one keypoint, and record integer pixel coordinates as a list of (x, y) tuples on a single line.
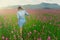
[(21, 31)]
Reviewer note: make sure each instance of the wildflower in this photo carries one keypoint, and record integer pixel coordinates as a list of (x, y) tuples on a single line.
[(39, 39), (30, 32), (6, 38), (44, 18), (35, 31), (3, 37), (48, 38), (12, 32)]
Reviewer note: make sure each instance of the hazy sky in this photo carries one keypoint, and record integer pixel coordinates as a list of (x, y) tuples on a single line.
[(4, 3)]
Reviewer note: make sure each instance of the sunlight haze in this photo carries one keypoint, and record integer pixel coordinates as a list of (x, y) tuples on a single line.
[(5, 3)]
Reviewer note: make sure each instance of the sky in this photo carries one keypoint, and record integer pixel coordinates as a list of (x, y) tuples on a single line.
[(5, 3)]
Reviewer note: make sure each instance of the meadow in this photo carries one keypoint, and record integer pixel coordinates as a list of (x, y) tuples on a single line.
[(45, 27)]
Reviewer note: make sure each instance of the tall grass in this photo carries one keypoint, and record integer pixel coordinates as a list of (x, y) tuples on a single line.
[(36, 28)]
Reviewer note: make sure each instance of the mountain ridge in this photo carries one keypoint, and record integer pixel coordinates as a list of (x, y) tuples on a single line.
[(38, 6)]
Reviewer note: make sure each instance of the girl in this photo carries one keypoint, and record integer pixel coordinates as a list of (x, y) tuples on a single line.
[(21, 18)]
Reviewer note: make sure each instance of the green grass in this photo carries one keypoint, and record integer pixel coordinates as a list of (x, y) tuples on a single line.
[(34, 28)]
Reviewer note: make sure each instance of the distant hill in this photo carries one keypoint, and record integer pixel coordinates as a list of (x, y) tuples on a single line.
[(43, 6), (38, 6)]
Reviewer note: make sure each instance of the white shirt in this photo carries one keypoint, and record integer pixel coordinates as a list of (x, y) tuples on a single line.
[(21, 14)]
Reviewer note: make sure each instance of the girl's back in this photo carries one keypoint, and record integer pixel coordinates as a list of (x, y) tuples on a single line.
[(21, 14)]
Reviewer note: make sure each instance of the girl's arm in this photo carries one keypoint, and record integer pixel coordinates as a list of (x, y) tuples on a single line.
[(26, 13)]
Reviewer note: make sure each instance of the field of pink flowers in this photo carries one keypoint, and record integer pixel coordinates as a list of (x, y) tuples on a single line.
[(46, 27)]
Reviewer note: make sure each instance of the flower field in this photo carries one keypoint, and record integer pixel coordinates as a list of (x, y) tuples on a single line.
[(45, 27)]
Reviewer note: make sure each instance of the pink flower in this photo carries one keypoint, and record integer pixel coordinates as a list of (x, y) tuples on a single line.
[(6, 38), (44, 17), (3, 37), (35, 31), (30, 32), (48, 38), (39, 39)]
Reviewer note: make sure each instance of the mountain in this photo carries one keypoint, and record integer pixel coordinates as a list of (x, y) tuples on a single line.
[(43, 6), (38, 6)]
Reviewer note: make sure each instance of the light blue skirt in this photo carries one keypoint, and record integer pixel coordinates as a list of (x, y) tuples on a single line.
[(21, 22)]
